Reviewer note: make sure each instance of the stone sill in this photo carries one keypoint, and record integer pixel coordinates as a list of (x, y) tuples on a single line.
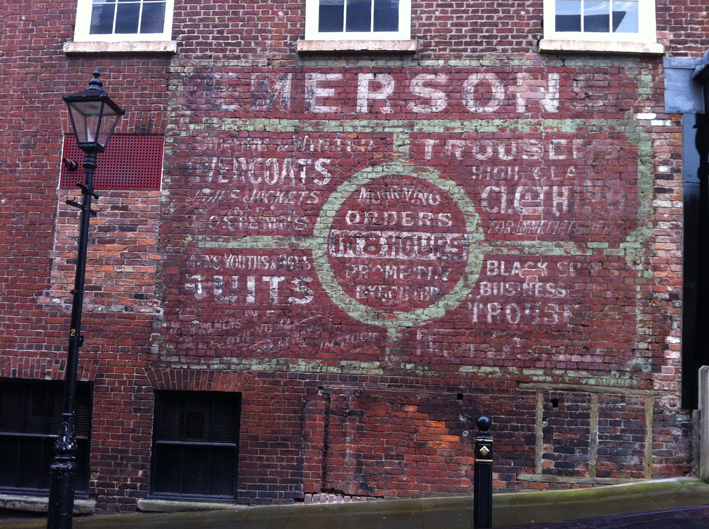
[(40, 503), (157, 46), (396, 46), (545, 478), (592, 46), (153, 505)]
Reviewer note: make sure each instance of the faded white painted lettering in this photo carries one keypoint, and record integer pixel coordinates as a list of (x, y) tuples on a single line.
[(549, 96), (364, 94), (469, 93), (314, 93), (438, 99)]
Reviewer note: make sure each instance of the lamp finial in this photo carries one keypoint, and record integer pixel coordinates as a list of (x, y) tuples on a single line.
[(96, 83)]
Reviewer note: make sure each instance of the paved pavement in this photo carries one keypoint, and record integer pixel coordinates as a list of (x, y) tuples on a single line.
[(681, 504), (688, 518)]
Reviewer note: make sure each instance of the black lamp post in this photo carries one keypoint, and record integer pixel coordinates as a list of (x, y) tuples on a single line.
[(94, 117)]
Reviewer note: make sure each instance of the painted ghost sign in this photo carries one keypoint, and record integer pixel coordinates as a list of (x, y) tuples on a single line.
[(446, 216)]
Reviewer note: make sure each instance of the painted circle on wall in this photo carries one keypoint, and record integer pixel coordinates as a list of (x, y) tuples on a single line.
[(395, 245), (398, 243)]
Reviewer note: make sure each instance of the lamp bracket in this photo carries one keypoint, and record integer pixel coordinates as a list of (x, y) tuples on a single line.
[(86, 190), (79, 340), (75, 204)]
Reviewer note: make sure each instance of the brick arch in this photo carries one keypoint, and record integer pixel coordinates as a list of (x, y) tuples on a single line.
[(190, 380), (45, 368)]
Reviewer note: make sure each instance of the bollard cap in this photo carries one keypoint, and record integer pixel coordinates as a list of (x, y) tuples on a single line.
[(483, 423)]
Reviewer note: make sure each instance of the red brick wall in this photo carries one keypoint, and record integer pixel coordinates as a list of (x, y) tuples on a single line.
[(191, 287), (683, 25)]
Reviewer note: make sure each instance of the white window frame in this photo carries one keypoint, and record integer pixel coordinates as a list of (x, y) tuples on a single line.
[(83, 26), (312, 14), (645, 41)]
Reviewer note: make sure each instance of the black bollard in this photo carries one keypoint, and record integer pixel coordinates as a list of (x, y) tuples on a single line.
[(482, 480)]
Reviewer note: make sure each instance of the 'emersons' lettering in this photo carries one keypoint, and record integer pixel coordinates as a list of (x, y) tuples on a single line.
[(425, 93)]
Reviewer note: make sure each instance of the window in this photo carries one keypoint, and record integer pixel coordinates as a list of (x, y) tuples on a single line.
[(358, 20), (121, 20), (594, 16), (195, 445), (30, 416), (600, 25)]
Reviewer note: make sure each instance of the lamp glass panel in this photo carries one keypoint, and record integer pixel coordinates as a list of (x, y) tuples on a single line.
[(85, 116), (108, 124)]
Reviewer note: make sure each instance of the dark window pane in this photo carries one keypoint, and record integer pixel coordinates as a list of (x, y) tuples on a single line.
[(34, 407), (568, 15), (227, 421), (127, 18), (198, 420), (82, 415), (359, 15), (54, 408), (168, 462), (222, 475), (82, 468), (568, 23), (32, 469), (171, 418), (153, 19), (197, 468), (36, 411), (331, 16), (9, 461), (82, 479), (386, 15), (11, 409), (102, 19), (596, 16)]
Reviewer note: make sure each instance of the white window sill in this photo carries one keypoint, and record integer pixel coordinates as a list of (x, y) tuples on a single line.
[(401, 46), (154, 505), (125, 46), (40, 503), (592, 46)]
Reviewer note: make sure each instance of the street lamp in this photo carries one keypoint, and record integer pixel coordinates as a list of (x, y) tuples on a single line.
[(94, 117)]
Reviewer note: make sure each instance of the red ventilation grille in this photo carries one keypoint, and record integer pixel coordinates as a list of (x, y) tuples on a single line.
[(131, 161)]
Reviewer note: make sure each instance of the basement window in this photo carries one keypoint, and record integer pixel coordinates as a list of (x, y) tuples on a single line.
[(195, 445), (30, 417)]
